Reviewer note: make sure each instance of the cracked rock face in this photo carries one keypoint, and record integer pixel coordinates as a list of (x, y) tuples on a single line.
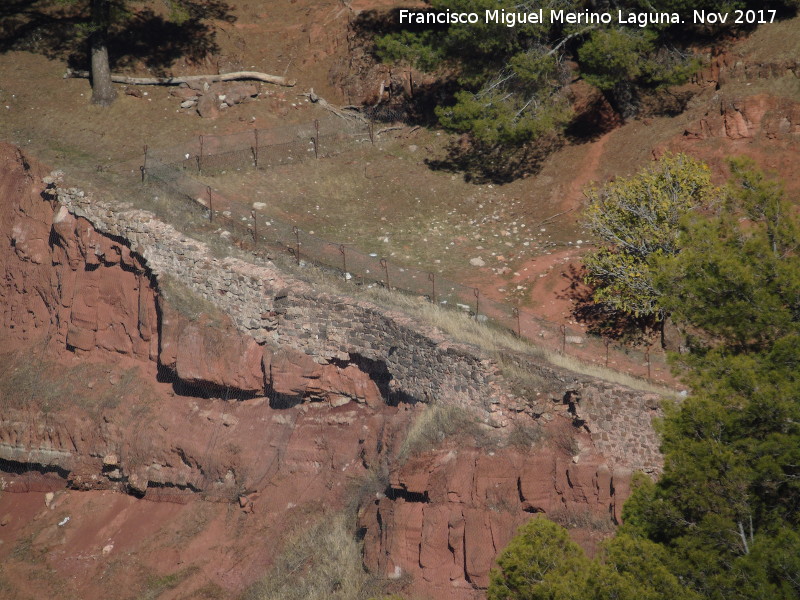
[(760, 115), (87, 292), (66, 282), (447, 513), (278, 397)]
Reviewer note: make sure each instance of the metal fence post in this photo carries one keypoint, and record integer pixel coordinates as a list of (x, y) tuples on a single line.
[(515, 312), (647, 360), (385, 266), (255, 226), (432, 279), (344, 261), (296, 233), (144, 165), (607, 343), (316, 138), (255, 148), (477, 294), (210, 206)]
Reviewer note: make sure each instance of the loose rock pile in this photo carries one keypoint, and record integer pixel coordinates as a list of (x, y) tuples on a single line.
[(209, 98)]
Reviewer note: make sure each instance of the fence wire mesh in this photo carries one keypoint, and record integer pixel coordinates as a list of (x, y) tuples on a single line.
[(174, 171)]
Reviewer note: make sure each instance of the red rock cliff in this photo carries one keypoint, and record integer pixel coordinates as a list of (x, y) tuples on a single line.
[(298, 438)]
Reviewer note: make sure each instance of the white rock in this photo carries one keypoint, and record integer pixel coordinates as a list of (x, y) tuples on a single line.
[(337, 400), (62, 215), (110, 460), (477, 262)]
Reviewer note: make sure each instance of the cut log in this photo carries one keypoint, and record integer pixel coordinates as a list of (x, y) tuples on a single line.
[(238, 75), (348, 113)]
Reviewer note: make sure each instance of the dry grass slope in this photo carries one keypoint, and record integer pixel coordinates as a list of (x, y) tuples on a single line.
[(321, 563), (436, 423), (29, 379)]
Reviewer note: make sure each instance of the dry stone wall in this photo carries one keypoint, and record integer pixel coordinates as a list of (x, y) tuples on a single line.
[(410, 361)]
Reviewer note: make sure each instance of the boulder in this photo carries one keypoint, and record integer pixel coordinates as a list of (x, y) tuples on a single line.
[(185, 93), (239, 92), (207, 106), (200, 86), (291, 372), (219, 356)]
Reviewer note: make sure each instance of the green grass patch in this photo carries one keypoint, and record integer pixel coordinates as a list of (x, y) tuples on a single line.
[(155, 586)]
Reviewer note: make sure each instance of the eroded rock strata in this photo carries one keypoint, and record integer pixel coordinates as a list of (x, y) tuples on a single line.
[(274, 396)]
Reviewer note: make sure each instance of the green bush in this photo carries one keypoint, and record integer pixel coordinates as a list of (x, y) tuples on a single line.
[(723, 520)]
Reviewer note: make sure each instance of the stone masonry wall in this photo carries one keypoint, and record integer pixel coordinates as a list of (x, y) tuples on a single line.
[(420, 363)]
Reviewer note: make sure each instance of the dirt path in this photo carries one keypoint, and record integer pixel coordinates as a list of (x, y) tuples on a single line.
[(586, 173)]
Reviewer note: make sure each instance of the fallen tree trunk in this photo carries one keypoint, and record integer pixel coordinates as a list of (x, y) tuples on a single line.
[(348, 113), (238, 75)]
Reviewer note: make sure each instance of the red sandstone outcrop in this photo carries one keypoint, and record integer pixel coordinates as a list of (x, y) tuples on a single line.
[(88, 292), (64, 281), (210, 352), (448, 513), (297, 438), (724, 66), (746, 118), (295, 375)]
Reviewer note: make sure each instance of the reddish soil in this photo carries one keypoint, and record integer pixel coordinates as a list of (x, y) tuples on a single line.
[(179, 547), (100, 402)]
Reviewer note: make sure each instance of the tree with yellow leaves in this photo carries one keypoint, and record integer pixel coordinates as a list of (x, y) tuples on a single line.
[(637, 219)]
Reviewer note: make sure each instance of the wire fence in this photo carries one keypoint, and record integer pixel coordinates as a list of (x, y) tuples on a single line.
[(174, 171)]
